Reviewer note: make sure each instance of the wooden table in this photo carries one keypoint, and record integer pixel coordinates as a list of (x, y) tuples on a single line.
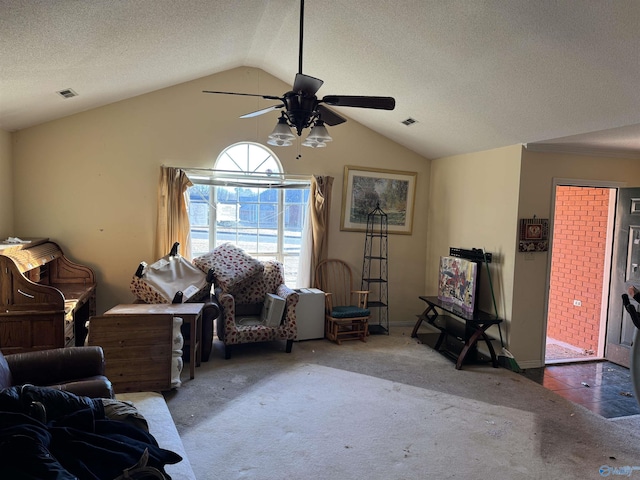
[(191, 313)]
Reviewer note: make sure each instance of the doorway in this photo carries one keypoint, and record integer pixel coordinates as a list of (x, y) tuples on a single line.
[(583, 222)]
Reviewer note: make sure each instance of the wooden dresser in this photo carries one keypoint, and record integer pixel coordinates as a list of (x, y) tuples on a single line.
[(45, 298)]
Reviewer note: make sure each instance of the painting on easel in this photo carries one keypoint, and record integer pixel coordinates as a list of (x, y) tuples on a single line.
[(457, 282)]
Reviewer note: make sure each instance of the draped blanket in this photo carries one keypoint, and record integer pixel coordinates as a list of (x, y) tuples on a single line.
[(82, 444)]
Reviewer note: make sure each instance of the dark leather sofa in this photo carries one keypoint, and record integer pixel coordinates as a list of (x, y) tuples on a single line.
[(210, 313), (79, 370)]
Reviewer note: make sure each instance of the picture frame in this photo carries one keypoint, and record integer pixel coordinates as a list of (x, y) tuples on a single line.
[(534, 235), (365, 188)]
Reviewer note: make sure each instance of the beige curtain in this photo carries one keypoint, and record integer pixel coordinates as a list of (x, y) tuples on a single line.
[(320, 201), (173, 216)]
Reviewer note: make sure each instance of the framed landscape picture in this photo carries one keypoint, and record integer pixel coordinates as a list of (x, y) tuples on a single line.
[(365, 188)]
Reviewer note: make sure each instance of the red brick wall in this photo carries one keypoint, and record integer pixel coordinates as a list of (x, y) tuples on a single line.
[(577, 265)]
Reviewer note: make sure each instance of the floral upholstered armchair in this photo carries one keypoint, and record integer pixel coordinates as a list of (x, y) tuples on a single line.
[(241, 284)]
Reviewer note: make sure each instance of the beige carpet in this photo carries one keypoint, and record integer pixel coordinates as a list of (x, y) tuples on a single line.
[(391, 408)]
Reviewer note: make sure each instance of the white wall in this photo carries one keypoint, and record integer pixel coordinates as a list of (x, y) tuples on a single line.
[(473, 203), (6, 186), (89, 180)]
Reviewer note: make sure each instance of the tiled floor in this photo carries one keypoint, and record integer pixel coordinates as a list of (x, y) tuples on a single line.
[(603, 387)]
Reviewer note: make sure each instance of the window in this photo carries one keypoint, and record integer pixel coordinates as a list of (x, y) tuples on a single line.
[(248, 201)]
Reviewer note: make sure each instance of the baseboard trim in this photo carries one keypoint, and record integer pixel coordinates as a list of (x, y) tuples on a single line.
[(531, 364)]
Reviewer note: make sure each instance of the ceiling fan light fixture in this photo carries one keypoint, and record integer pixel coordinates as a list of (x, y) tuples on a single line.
[(279, 143), (281, 133), (313, 144), (319, 133)]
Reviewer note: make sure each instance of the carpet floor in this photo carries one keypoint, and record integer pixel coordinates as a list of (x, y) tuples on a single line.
[(390, 408)]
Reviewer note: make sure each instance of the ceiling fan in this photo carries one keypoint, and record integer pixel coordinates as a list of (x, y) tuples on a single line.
[(302, 108)]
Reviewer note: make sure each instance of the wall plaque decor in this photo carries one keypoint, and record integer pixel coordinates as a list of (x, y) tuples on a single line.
[(534, 235)]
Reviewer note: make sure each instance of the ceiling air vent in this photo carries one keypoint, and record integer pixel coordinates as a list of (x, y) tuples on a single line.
[(409, 121), (67, 93)]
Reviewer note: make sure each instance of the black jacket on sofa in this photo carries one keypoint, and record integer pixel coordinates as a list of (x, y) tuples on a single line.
[(70, 439)]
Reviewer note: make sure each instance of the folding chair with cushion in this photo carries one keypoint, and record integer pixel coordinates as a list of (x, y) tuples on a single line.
[(345, 319)]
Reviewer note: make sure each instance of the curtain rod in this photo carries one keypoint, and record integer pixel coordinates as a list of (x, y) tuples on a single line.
[(235, 178), (239, 173)]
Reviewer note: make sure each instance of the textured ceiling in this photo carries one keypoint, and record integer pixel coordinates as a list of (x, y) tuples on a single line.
[(475, 74)]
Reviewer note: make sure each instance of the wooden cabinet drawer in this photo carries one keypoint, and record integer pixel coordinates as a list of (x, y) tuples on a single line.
[(21, 333)]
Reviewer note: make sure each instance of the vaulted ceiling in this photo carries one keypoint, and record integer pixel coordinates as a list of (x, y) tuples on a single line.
[(474, 74)]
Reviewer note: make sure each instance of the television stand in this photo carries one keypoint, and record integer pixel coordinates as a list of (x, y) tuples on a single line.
[(465, 327)]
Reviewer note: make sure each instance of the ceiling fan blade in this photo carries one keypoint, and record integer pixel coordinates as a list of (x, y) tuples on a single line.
[(266, 97), (306, 84), (330, 117), (380, 103), (260, 112)]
